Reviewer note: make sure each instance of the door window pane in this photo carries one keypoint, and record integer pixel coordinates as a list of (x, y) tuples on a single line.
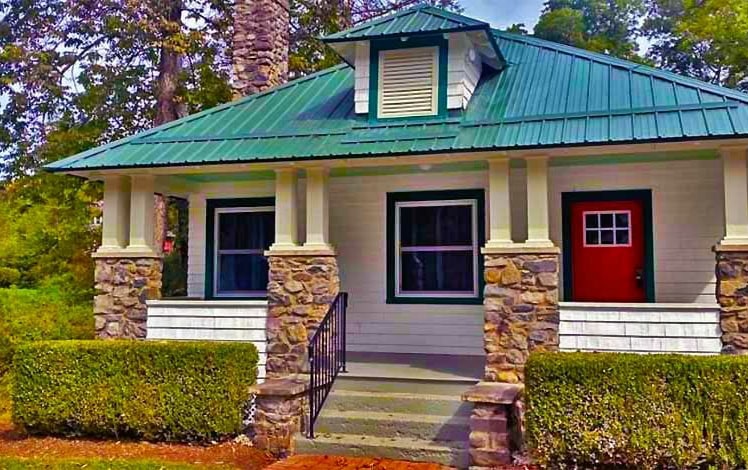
[(607, 228)]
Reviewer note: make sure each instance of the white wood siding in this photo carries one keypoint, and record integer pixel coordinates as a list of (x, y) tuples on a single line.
[(687, 211), (361, 74), (463, 73), (358, 232), (238, 320), (640, 328)]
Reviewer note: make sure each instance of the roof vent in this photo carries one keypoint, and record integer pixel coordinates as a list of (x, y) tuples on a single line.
[(408, 82)]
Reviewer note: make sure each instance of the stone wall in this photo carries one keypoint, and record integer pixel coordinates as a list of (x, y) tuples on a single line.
[(260, 45), (301, 289), (521, 311), (122, 287), (732, 295)]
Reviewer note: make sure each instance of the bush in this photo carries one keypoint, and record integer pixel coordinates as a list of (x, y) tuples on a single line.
[(9, 276), (173, 391), (637, 411)]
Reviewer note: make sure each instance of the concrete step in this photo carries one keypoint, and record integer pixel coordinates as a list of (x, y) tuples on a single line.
[(388, 402), (453, 387), (399, 448), (408, 425)]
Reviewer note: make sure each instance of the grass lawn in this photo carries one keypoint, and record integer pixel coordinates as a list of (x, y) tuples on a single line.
[(14, 463)]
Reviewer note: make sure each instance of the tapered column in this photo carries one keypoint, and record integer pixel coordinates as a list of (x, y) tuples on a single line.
[(538, 233), (115, 231), (317, 210), (499, 217), (141, 216), (285, 210), (736, 195)]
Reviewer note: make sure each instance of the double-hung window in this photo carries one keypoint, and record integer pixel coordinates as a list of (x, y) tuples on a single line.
[(240, 235), (435, 239)]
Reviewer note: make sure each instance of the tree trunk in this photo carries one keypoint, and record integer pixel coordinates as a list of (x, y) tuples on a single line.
[(167, 107)]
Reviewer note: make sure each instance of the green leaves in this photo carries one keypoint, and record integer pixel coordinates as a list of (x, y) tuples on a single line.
[(637, 411), (173, 391)]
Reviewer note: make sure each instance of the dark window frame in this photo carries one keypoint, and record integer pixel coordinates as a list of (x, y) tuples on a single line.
[(210, 243), (392, 251)]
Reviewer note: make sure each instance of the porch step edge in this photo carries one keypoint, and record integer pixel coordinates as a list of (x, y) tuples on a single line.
[(379, 424)]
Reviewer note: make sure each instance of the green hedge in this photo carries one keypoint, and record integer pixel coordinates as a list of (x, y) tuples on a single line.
[(637, 411), (174, 391)]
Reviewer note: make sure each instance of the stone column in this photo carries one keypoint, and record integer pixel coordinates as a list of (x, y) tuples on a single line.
[(301, 288), (732, 295), (280, 414), (260, 45), (521, 308), (495, 424), (122, 287)]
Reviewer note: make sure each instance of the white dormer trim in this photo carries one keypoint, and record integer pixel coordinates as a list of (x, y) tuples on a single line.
[(464, 71), (362, 72), (408, 82)]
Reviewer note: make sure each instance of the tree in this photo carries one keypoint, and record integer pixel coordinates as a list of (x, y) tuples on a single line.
[(607, 26), (707, 39)]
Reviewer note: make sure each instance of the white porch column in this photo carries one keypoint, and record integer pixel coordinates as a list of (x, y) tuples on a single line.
[(538, 232), (141, 216), (115, 228), (499, 217), (736, 195), (317, 210), (285, 210)]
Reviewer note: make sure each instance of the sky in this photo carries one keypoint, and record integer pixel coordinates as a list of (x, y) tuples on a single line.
[(503, 13)]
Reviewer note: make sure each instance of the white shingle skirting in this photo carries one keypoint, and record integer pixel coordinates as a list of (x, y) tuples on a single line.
[(212, 320), (640, 328)]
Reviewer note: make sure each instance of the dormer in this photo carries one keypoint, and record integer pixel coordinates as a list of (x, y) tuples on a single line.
[(417, 63)]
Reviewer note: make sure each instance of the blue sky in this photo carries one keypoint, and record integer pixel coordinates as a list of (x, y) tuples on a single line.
[(502, 13)]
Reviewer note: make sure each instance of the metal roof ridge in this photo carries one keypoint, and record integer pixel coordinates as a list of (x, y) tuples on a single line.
[(192, 117), (623, 63)]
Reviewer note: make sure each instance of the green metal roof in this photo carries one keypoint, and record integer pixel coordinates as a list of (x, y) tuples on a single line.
[(421, 19), (548, 95)]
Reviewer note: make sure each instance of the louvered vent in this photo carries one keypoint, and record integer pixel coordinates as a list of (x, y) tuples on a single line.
[(408, 81)]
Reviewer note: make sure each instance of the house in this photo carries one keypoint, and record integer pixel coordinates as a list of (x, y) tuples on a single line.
[(478, 194)]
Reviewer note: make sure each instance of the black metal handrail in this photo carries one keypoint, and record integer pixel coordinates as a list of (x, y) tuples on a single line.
[(326, 357)]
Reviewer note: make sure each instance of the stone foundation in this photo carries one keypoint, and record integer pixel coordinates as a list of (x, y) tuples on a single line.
[(281, 411), (495, 431), (122, 287), (732, 295), (301, 289), (521, 311)]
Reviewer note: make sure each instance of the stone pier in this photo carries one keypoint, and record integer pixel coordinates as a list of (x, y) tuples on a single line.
[(521, 309), (122, 287), (732, 295)]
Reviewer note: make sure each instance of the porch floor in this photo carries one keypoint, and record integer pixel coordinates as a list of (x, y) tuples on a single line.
[(435, 367)]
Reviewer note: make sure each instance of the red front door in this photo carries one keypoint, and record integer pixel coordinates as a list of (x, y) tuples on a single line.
[(608, 251)]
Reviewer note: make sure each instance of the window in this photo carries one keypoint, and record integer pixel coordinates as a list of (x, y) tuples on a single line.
[(238, 237), (435, 238), (607, 228), (408, 82)]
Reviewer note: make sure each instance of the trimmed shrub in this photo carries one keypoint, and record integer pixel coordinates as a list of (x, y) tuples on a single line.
[(9, 276), (637, 411), (172, 391)]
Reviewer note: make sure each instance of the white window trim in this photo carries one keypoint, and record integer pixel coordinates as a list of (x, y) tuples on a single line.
[(217, 251), (434, 86), (613, 228), (399, 250)]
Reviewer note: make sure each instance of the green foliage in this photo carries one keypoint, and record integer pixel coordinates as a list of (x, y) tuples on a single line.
[(36, 314), (607, 26), (637, 411), (15, 463), (9, 276), (150, 390), (174, 282), (707, 40)]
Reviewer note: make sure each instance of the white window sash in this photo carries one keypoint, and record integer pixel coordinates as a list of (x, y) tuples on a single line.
[(399, 292), (217, 251), (599, 229)]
